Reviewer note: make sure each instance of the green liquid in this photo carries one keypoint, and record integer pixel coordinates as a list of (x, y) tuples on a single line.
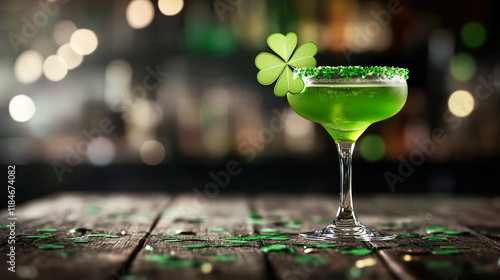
[(346, 111)]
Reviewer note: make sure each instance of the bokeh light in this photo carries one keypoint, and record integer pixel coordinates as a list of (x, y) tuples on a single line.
[(372, 147), (152, 152), (63, 31), (463, 67), (101, 151), (170, 7), (140, 13), (366, 262), (84, 41), (28, 67), (299, 133), (441, 48), (72, 58), (461, 103), (473, 34), (54, 68), (21, 108)]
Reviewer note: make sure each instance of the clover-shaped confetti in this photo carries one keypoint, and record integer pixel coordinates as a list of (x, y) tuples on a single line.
[(271, 67)]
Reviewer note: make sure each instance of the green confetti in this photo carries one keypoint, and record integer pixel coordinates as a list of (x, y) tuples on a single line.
[(445, 252), (219, 229), (454, 232), (172, 262), (81, 241), (224, 258), (50, 246), (277, 248), (4, 227), (310, 259), (196, 221), (231, 245), (433, 229), (47, 230), (254, 216), (455, 247), (82, 230), (439, 264), (38, 236), (271, 67), (96, 235), (66, 254), (409, 235), (196, 246), (435, 238), (268, 230), (111, 236), (359, 252), (172, 239)]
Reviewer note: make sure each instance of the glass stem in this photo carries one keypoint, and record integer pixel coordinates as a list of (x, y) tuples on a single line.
[(345, 215)]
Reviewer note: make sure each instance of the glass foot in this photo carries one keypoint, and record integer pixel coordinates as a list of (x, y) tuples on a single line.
[(359, 233)]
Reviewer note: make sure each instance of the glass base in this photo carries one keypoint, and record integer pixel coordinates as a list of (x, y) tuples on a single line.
[(359, 233)]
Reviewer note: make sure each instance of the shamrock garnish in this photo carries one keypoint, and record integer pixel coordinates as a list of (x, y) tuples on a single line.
[(271, 66)]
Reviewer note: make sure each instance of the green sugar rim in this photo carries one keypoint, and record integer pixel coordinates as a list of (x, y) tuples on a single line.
[(349, 72)]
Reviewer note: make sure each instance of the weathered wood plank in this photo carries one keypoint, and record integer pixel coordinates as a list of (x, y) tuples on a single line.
[(202, 219), (136, 214), (126, 218), (314, 212), (478, 259)]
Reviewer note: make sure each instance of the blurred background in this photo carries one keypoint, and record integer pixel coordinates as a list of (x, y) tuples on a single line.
[(162, 96)]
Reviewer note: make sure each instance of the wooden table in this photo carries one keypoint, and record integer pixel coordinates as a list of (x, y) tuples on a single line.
[(134, 236)]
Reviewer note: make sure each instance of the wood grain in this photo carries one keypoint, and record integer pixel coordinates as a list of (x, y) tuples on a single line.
[(142, 222), (101, 258)]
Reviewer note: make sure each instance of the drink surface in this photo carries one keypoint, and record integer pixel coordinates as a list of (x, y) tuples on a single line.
[(347, 110)]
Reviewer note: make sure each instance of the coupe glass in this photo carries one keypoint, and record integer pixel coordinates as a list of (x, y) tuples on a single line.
[(345, 108)]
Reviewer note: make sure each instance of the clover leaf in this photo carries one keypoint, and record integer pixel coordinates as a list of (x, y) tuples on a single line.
[(271, 67)]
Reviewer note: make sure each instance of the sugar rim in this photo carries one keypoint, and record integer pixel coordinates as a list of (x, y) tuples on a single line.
[(349, 72)]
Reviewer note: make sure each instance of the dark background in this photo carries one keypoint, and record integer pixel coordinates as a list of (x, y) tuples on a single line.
[(205, 105)]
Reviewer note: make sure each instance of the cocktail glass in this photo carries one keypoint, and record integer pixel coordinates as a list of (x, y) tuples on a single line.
[(345, 106)]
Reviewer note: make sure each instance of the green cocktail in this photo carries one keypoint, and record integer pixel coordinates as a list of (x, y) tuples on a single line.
[(345, 110), (345, 101)]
